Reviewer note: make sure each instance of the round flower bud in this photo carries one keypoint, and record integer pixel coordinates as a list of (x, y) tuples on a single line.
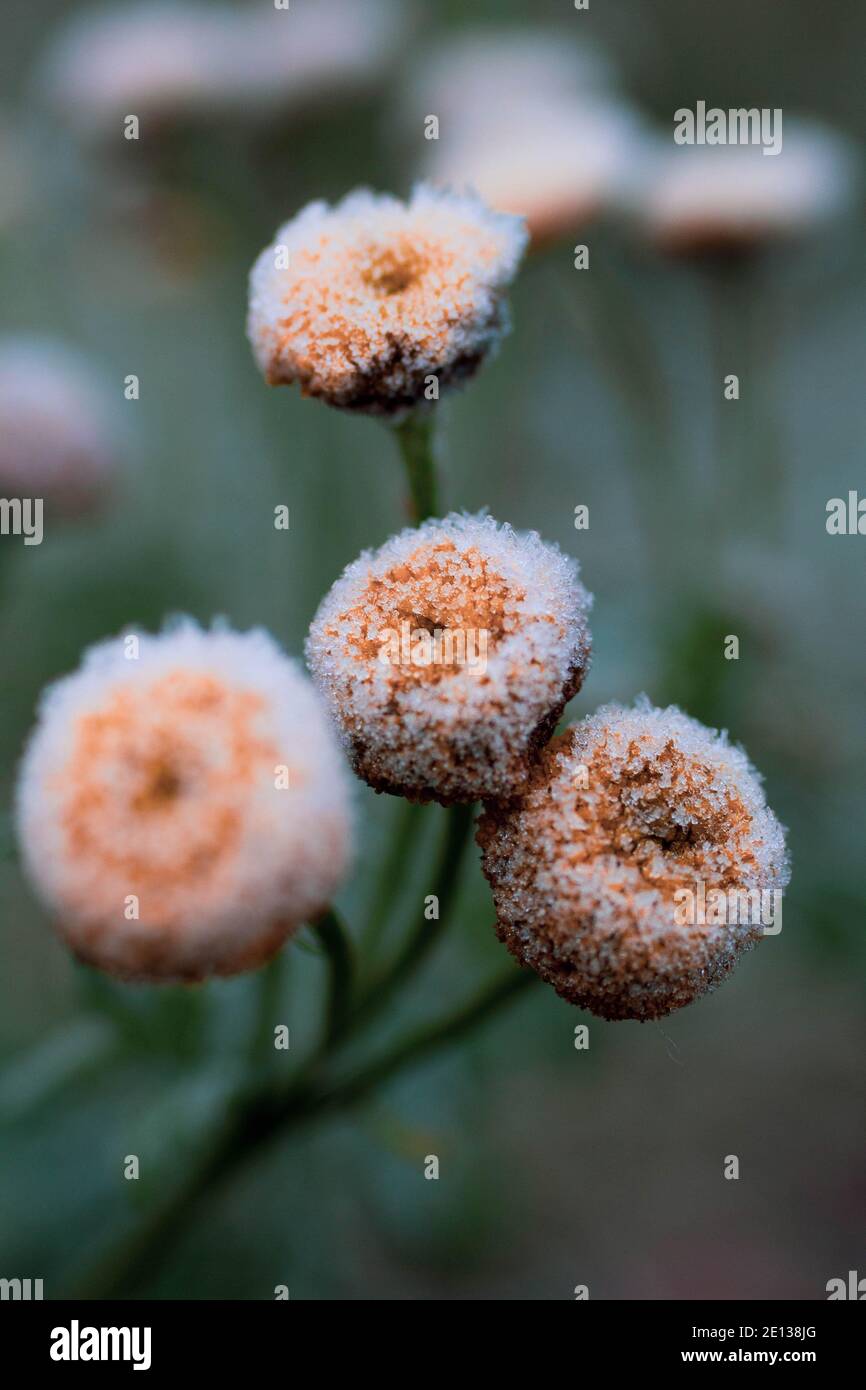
[(638, 863), (57, 435), (447, 656), (182, 804), (376, 305)]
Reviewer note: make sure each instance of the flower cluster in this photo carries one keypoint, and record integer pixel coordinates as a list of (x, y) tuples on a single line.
[(182, 805)]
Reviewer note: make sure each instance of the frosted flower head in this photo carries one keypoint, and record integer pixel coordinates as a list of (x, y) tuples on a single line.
[(167, 61), (363, 303), (639, 831), (182, 811), (557, 164), (447, 656), (58, 437), (705, 199)]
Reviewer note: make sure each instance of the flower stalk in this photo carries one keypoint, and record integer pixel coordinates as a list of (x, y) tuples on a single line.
[(415, 438)]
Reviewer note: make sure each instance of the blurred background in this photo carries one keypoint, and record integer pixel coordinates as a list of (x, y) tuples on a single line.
[(707, 518)]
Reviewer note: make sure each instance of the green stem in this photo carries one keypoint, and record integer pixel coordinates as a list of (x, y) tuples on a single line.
[(427, 933), (252, 1125), (269, 987), (415, 440), (338, 950), (392, 872)]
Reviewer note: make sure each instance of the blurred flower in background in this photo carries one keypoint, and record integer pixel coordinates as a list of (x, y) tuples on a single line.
[(535, 125), (59, 431), (734, 197), (165, 62)]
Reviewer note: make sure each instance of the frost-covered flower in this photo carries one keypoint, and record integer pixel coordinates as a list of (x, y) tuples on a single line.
[(182, 804), (364, 303), (58, 435), (638, 864), (163, 61), (699, 199), (447, 656)]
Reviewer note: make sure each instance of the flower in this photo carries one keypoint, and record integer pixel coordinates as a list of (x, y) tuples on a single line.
[(558, 165), (475, 80), (366, 302), (182, 805), (530, 122), (153, 60), (636, 826), (164, 61), (447, 656), (57, 435), (699, 199)]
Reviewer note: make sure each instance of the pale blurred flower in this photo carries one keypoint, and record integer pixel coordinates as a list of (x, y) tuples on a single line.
[(626, 810), (363, 304), (182, 807), (557, 165), (447, 656), (58, 433), (531, 123), (699, 199), (475, 80), (162, 61)]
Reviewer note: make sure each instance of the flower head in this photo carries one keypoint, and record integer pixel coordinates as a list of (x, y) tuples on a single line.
[(619, 874), (168, 61), (182, 804), (559, 164), (363, 303), (475, 80), (529, 122), (447, 656), (57, 436), (699, 199)]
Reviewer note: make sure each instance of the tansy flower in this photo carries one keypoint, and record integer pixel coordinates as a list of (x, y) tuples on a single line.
[(704, 199), (365, 303), (447, 656), (182, 805), (163, 61), (58, 439), (475, 80), (638, 863), (529, 122), (152, 60), (557, 164)]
